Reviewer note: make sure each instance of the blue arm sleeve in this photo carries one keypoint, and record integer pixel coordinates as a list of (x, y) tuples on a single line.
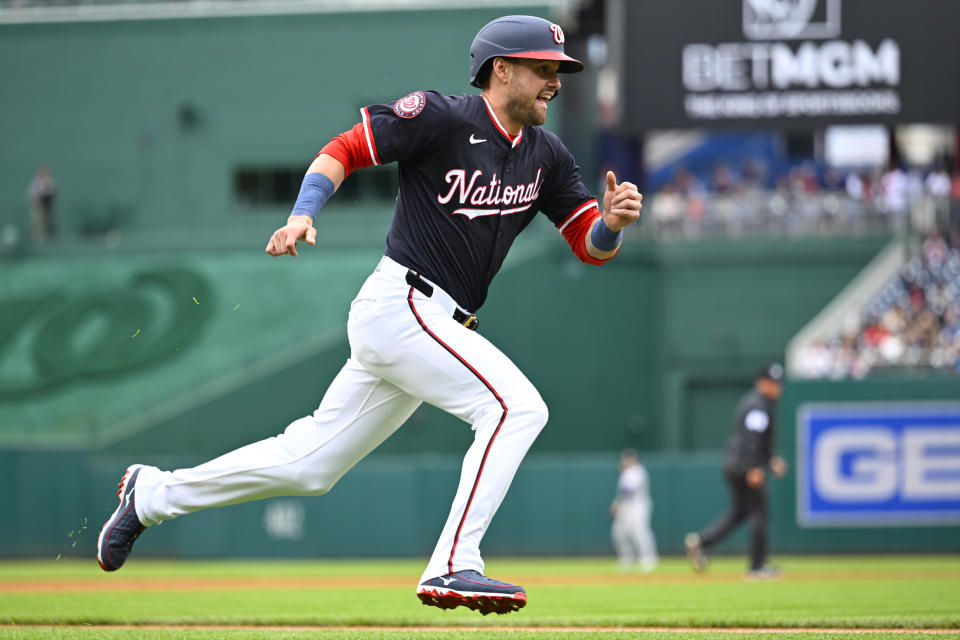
[(315, 190), (605, 238)]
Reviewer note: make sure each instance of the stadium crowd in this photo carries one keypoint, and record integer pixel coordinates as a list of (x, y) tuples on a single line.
[(805, 201), (913, 322)]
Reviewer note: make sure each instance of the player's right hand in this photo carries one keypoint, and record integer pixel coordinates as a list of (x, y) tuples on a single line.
[(621, 203), (284, 240)]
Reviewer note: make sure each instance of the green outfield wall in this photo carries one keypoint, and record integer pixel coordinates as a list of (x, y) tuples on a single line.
[(155, 329), (146, 123), (168, 352), (390, 506), (667, 336)]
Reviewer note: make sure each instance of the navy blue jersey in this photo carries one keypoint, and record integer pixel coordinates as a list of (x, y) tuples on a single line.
[(467, 189), (751, 444)]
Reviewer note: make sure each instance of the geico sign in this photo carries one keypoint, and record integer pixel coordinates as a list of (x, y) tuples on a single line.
[(873, 463), (879, 464), (835, 64), (50, 338)]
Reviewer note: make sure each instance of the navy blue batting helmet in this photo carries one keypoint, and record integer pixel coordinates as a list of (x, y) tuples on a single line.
[(518, 37)]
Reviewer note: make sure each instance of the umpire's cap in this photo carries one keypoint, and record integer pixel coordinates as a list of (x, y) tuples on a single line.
[(772, 371), (518, 37)]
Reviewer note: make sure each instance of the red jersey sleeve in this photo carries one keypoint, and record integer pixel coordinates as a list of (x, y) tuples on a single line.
[(350, 148), (575, 228)]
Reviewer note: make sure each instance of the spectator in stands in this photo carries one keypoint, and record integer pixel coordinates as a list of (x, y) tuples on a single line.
[(667, 212), (726, 210), (856, 186), (953, 226), (691, 189), (937, 187), (816, 360), (688, 184), (808, 178), (832, 180), (41, 195), (753, 173), (946, 350), (724, 180), (935, 250), (937, 183), (893, 192)]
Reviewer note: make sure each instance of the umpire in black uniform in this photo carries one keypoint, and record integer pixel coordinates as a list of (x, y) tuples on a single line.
[(749, 454)]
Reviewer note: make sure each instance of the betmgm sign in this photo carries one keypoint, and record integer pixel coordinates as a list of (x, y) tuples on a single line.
[(822, 75), (878, 464), (779, 62)]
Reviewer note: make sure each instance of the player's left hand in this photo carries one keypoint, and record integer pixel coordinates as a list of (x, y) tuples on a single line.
[(755, 477), (621, 203), (779, 466)]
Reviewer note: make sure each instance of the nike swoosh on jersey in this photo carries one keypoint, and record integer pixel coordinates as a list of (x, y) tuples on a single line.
[(474, 140)]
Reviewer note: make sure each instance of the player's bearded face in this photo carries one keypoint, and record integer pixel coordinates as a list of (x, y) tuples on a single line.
[(532, 83)]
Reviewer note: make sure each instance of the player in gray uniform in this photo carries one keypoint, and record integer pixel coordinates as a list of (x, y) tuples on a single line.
[(631, 509), (474, 171)]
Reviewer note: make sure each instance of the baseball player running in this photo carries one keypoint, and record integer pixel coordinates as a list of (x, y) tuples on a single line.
[(474, 171)]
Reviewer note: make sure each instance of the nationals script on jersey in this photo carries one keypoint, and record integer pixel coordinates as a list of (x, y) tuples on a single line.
[(467, 188)]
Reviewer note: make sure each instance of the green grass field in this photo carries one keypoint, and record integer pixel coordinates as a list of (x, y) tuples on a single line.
[(817, 597)]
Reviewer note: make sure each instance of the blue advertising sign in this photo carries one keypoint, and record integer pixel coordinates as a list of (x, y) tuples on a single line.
[(878, 464)]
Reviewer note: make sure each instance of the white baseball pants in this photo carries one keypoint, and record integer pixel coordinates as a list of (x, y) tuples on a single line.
[(405, 349)]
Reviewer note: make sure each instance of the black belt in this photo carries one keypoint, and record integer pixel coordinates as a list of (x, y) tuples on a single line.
[(424, 287)]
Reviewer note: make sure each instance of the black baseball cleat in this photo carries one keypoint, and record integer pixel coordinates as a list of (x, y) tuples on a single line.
[(766, 572), (695, 552), (474, 590), (123, 528)]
